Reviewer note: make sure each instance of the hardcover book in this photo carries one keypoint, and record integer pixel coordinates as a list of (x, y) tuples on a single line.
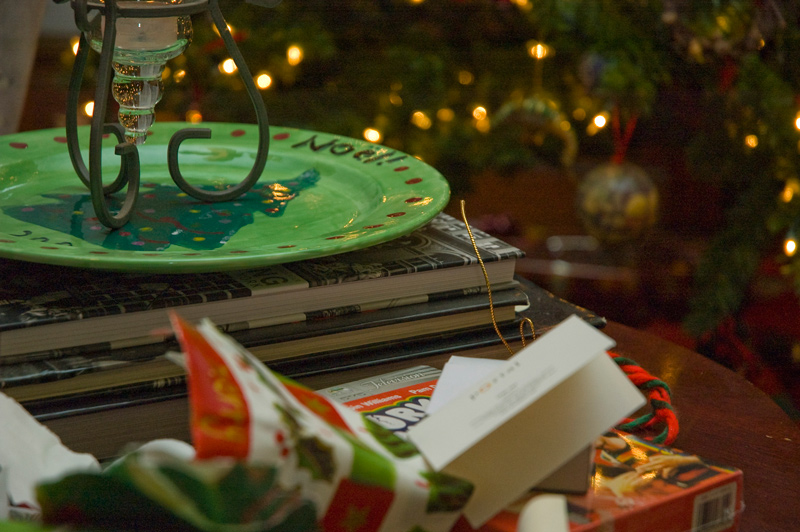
[(46, 307)]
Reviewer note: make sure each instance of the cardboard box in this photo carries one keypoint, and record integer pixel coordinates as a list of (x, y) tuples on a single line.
[(642, 487)]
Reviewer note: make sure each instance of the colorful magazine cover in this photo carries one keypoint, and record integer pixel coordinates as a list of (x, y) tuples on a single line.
[(395, 400)]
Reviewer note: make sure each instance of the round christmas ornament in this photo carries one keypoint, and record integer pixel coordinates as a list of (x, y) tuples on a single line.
[(535, 118), (617, 202)]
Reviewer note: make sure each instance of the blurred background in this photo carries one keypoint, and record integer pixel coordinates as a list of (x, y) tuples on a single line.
[(644, 154)]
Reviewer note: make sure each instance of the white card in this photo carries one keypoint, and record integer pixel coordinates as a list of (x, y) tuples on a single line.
[(528, 417), (457, 375)]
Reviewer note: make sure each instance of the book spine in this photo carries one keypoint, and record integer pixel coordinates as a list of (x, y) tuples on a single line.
[(131, 349), (108, 398), (27, 373), (443, 243), (444, 344), (34, 300)]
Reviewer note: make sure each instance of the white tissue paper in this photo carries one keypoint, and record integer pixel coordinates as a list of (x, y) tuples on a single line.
[(544, 513), (30, 454), (3, 492)]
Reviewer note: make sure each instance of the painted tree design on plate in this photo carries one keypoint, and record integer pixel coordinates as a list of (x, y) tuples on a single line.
[(164, 215)]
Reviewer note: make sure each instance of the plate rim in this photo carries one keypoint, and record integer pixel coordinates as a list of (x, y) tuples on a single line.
[(193, 261)]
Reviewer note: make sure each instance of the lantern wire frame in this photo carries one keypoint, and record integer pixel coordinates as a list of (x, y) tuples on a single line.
[(129, 172)]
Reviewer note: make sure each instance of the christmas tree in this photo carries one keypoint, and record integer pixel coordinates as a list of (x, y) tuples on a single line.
[(467, 85)]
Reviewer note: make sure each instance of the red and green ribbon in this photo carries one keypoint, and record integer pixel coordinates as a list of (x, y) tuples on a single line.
[(660, 425)]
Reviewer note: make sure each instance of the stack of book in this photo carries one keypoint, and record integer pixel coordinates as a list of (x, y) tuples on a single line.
[(87, 351)]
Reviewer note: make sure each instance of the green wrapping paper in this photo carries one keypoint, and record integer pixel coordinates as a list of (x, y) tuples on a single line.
[(144, 491), (270, 455)]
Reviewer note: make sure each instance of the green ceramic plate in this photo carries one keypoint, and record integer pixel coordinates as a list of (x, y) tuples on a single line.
[(320, 194)]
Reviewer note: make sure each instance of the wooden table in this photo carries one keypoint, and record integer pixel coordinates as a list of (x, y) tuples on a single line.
[(726, 419)]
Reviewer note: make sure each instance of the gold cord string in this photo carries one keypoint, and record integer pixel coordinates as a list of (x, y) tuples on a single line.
[(524, 321)]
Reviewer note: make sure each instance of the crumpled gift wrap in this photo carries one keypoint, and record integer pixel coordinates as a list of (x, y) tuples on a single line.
[(358, 475), (30, 453), (268, 454), (161, 491)]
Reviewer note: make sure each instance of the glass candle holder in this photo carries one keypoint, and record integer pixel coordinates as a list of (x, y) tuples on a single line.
[(141, 50)]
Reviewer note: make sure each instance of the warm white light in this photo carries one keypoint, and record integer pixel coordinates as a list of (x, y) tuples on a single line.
[(790, 247), (372, 135), (421, 120), (797, 122), (538, 50), (445, 114), (228, 66), (465, 77), (395, 99), (230, 29), (483, 125), (88, 109), (479, 113), (179, 75), (263, 81), (194, 117), (790, 190), (751, 141), (600, 120), (74, 43), (294, 54)]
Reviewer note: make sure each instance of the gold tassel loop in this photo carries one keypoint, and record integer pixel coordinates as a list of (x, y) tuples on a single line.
[(489, 291)]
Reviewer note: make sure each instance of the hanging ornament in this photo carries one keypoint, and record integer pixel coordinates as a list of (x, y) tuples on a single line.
[(617, 201), (537, 118)]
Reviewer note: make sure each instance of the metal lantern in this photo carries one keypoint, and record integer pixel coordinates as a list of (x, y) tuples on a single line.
[(135, 38)]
